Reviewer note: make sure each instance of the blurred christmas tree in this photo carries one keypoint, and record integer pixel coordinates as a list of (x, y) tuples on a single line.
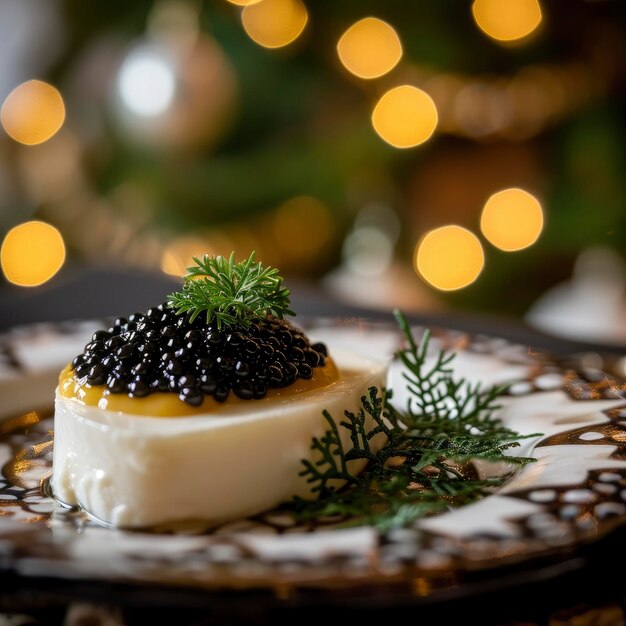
[(326, 134)]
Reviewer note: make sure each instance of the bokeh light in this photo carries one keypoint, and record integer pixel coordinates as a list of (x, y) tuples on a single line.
[(244, 3), (369, 48), (507, 20), (178, 254), (146, 83), (33, 112), (368, 249), (274, 23), (512, 219), (32, 253), (302, 227), (449, 257), (405, 116)]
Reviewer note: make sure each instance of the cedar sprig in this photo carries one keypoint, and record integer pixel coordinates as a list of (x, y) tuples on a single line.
[(425, 464)]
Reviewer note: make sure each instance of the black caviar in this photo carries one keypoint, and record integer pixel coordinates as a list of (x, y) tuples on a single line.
[(161, 351)]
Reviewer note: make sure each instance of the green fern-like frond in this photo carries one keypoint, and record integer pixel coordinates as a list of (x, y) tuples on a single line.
[(424, 465), (231, 293)]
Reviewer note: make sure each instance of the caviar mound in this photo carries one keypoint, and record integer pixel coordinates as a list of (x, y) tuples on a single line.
[(160, 351)]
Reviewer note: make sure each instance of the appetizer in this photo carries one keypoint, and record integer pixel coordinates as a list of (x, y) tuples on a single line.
[(200, 408)]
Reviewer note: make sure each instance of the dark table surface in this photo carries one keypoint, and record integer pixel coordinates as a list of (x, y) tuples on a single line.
[(100, 292), (583, 589)]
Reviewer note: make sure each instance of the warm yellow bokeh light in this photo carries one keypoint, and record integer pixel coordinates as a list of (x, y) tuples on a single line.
[(370, 48), (178, 254), (274, 23), (33, 112), (507, 20), (405, 116), (302, 226), (449, 257), (32, 253), (244, 3), (512, 219), (172, 264)]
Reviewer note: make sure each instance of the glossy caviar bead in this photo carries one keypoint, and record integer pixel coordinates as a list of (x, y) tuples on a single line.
[(275, 374), (242, 369), (279, 356), (235, 339), (221, 393), (100, 335), (259, 390), (138, 389), (187, 380), (114, 384), (163, 384), (266, 351), (296, 354), (244, 390), (82, 370), (305, 370), (125, 352), (78, 360), (321, 348), (193, 335), (173, 367), (147, 347), (113, 343), (95, 347), (96, 375), (285, 336), (131, 337), (224, 363), (208, 384), (122, 370), (120, 321), (312, 358), (203, 363), (299, 342), (214, 336), (251, 346), (191, 396), (150, 358), (275, 343), (139, 368)]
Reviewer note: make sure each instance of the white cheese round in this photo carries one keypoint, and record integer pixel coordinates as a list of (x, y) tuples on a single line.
[(137, 471)]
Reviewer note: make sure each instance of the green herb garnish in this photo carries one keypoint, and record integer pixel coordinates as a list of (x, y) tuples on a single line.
[(425, 465), (231, 293)]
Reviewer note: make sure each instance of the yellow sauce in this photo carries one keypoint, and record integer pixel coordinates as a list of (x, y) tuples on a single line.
[(160, 404)]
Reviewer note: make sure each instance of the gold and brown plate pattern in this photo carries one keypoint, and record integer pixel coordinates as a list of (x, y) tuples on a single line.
[(573, 495)]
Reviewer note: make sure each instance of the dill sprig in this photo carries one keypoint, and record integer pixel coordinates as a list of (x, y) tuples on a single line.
[(425, 465), (229, 292)]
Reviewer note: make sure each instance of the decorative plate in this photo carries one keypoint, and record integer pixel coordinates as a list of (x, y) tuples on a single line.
[(574, 494)]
